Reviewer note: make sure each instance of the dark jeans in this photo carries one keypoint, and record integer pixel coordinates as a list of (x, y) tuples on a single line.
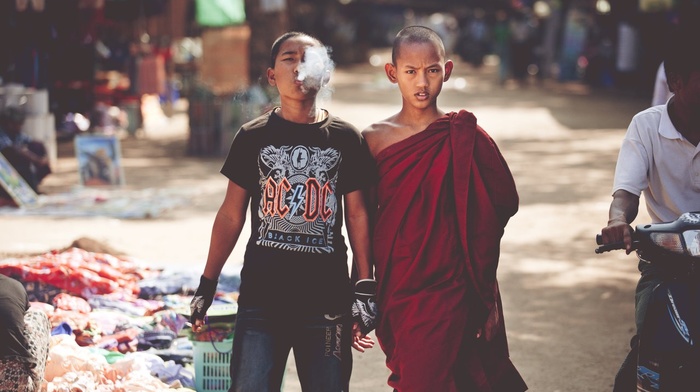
[(262, 341), (626, 378)]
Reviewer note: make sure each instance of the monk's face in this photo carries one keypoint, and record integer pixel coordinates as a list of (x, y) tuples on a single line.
[(420, 70)]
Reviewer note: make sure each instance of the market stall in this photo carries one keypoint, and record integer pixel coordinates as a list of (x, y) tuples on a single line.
[(118, 325)]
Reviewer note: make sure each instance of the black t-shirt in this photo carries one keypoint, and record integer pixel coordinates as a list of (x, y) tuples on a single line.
[(296, 174)]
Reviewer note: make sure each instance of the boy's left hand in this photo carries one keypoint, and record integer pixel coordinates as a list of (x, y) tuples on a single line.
[(360, 341), (201, 301), (364, 308)]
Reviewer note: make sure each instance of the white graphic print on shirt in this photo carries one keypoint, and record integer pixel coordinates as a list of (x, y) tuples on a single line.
[(299, 204)]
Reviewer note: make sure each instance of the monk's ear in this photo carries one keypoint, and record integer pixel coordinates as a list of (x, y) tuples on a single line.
[(449, 65), (271, 77), (390, 70)]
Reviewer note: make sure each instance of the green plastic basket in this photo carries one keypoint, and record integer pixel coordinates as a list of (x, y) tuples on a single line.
[(211, 365)]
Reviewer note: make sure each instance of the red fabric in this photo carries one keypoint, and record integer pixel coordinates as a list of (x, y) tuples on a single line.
[(151, 75), (78, 272), (444, 196)]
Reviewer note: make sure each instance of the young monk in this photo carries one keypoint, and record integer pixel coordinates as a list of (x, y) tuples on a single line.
[(443, 198)]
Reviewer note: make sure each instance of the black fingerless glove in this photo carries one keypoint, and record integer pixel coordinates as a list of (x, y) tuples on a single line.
[(364, 308), (203, 298)]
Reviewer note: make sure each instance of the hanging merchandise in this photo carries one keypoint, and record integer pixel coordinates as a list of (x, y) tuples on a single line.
[(122, 10), (224, 65), (219, 13), (130, 10), (627, 47), (273, 5), (36, 5), (655, 5), (151, 75), (153, 8)]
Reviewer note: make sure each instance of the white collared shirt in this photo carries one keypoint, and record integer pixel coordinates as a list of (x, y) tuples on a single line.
[(657, 160)]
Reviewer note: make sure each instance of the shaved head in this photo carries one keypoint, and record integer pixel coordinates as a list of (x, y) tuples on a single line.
[(416, 35)]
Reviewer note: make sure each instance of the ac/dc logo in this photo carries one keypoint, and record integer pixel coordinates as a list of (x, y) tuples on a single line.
[(307, 199)]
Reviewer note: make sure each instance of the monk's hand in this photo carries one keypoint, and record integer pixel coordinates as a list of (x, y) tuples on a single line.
[(202, 300), (364, 308)]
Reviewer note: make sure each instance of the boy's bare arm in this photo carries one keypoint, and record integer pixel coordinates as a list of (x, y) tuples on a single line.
[(358, 226), (228, 225)]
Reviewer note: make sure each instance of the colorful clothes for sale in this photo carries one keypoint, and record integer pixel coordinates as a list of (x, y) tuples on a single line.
[(78, 272), (444, 196)]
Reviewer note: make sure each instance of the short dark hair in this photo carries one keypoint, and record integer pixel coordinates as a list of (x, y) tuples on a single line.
[(416, 34), (680, 55), (275, 50), (12, 114)]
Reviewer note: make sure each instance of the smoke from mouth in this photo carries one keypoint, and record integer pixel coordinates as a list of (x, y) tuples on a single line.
[(315, 69)]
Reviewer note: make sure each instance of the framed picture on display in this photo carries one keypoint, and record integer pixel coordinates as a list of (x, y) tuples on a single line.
[(21, 193), (99, 160)]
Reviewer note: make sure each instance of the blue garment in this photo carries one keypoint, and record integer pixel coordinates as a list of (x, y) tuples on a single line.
[(21, 140), (261, 345), (182, 282), (62, 329)]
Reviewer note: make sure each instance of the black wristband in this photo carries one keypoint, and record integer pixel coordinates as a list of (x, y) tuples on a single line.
[(366, 287), (203, 298), (364, 307), (207, 286)]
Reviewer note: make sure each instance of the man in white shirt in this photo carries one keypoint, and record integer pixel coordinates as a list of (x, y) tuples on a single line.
[(659, 157)]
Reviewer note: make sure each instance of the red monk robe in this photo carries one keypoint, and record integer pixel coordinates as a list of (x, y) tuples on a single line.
[(444, 197)]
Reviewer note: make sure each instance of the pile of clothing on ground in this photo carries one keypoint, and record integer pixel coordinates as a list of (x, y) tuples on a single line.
[(115, 324)]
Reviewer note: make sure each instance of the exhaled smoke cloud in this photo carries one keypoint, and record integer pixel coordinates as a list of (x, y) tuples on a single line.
[(315, 70)]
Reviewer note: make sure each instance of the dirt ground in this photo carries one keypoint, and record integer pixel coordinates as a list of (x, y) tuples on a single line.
[(568, 311)]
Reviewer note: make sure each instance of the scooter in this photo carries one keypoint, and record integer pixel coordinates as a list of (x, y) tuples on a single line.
[(669, 359)]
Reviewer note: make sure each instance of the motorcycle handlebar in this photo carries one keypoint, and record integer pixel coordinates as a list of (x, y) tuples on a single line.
[(612, 246), (609, 247)]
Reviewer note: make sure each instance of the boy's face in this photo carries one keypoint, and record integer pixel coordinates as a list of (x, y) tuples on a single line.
[(420, 71), (285, 74)]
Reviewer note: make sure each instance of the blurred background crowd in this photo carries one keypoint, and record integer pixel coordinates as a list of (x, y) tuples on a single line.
[(95, 61)]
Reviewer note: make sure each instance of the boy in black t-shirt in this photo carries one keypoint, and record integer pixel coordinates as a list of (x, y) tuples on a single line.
[(302, 170)]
